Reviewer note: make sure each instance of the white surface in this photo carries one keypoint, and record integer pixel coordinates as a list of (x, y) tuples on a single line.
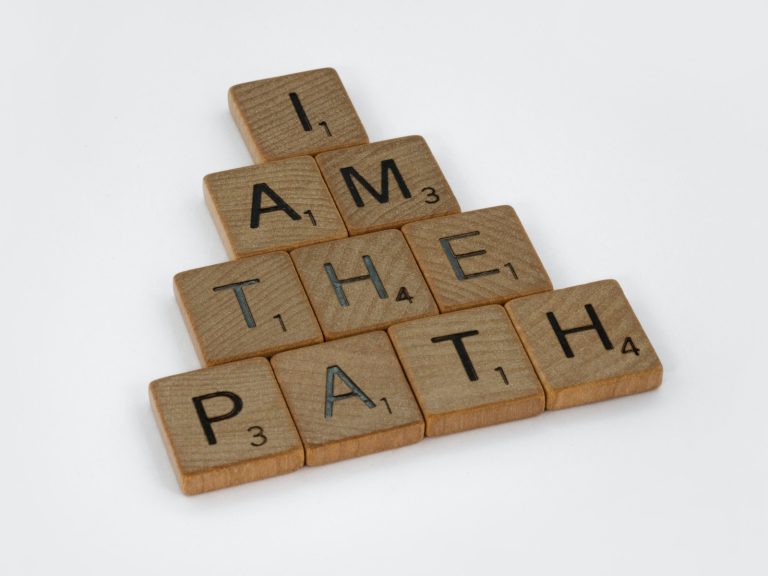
[(632, 142)]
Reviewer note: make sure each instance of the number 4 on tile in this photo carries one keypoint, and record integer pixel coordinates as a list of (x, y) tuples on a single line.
[(629, 346), (403, 294)]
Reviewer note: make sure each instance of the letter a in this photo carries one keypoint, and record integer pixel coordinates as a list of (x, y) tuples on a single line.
[(330, 398), (280, 204)]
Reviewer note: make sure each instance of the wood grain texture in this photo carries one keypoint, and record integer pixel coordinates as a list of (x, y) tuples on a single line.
[(224, 329), (368, 307), (275, 206), (318, 117), (258, 441), (479, 377), (390, 419), (485, 257), (407, 182), (593, 372)]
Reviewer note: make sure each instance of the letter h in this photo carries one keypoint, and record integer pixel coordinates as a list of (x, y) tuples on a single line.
[(596, 325), (338, 284)]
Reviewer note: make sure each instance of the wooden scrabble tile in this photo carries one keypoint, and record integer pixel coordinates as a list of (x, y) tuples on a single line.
[(226, 425), (250, 307), (586, 344), (348, 398), (275, 206), (387, 184), (295, 115), (467, 369), (363, 283), (475, 258)]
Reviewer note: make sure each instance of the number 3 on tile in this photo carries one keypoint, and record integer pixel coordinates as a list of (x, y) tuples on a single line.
[(258, 438), (432, 196)]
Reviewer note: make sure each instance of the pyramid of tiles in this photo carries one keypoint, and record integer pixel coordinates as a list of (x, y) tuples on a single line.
[(362, 310)]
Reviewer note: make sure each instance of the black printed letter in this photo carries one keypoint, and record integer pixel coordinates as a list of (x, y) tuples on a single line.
[(240, 295), (280, 204), (461, 350), (338, 285), (206, 421), (330, 398), (454, 258), (387, 166), (596, 325)]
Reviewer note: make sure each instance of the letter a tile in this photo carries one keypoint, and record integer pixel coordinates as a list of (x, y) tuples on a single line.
[(295, 115), (348, 398), (249, 307), (226, 425), (274, 206), (476, 258), (363, 283), (386, 184), (467, 369), (586, 344)]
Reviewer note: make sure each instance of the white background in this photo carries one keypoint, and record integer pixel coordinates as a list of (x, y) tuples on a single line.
[(630, 138)]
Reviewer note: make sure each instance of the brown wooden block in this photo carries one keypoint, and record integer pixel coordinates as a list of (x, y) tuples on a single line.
[(586, 344), (348, 398), (387, 184), (250, 307), (295, 115), (476, 258), (467, 369), (363, 283), (274, 206), (226, 425)]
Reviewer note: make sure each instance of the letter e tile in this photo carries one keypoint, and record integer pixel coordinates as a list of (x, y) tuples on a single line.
[(476, 258)]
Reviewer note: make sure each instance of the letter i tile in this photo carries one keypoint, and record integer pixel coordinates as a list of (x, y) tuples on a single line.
[(249, 307), (586, 344), (295, 115), (348, 398)]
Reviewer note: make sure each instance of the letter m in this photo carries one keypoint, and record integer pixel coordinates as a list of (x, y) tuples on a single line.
[(351, 176)]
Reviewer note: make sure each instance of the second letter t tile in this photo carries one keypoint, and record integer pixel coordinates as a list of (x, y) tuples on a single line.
[(467, 369)]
